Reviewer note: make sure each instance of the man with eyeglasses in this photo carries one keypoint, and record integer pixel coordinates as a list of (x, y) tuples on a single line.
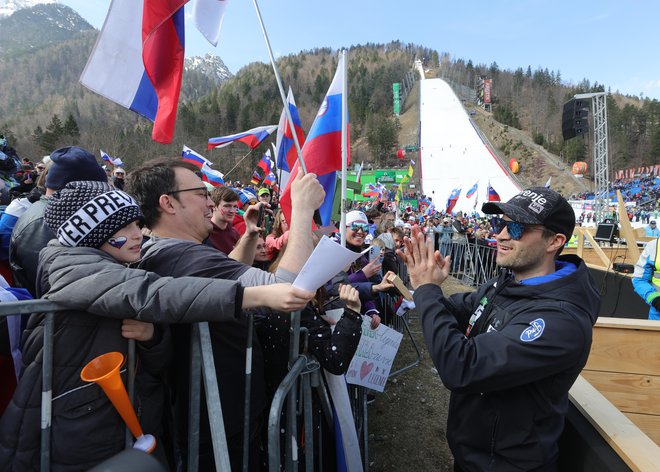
[(510, 351), (178, 211)]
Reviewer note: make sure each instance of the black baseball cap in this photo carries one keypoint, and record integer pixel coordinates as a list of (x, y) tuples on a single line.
[(537, 206)]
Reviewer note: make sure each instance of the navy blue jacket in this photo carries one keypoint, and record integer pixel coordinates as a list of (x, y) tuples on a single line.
[(511, 374)]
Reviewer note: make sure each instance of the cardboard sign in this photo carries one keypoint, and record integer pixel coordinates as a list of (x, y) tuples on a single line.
[(374, 356)]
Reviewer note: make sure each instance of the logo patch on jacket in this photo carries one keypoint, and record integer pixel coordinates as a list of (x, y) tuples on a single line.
[(534, 331)]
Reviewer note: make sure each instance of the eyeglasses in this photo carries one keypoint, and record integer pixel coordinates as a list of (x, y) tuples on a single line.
[(515, 229), (199, 189), (364, 227)]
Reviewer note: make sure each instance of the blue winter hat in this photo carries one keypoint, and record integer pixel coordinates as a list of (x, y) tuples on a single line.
[(71, 164)]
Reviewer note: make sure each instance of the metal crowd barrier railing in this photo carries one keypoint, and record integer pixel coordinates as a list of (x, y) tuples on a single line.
[(473, 263), (304, 374), (202, 368)]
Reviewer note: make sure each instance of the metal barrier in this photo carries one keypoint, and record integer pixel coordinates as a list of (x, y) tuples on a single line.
[(473, 263), (304, 374), (202, 367)]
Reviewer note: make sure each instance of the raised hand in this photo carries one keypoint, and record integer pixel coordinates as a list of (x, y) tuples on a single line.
[(351, 297), (424, 264)]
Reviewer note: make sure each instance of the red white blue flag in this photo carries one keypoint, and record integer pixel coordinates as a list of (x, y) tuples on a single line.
[(472, 190), (266, 164), (270, 179), (493, 196), (212, 176), (115, 161), (322, 150), (193, 157), (251, 138), (285, 149), (453, 198), (137, 60)]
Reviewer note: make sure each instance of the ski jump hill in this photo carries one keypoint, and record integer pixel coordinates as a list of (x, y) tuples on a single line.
[(454, 154)]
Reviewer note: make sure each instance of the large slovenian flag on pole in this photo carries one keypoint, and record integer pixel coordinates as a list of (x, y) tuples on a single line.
[(322, 150), (252, 138), (285, 149), (137, 60)]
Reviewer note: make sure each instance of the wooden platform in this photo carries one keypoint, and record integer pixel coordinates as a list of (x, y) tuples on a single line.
[(619, 389)]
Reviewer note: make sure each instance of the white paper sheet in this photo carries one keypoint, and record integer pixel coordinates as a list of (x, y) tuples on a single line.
[(324, 263)]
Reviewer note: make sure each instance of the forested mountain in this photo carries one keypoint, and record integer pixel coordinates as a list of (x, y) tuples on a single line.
[(42, 104)]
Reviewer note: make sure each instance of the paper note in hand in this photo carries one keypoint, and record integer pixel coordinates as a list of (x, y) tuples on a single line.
[(325, 262)]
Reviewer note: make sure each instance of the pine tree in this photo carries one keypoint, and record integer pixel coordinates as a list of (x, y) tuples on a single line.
[(71, 129)]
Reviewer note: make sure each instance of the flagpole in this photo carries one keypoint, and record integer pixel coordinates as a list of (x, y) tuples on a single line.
[(282, 94), (239, 161), (344, 148)]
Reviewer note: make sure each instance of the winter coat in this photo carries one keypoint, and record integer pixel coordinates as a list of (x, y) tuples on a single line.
[(98, 293), (29, 236), (510, 374), (170, 256)]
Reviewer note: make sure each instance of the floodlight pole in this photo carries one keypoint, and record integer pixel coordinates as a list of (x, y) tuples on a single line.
[(600, 146)]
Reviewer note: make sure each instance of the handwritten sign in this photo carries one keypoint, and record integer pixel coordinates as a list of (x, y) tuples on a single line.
[(374, 356)]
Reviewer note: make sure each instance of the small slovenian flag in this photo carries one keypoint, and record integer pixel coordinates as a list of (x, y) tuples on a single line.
[(266, 164), (472, 190), (270, 179), (453, 198), (251, 138), (212, 176), (115, 161), (194, 158), (493, 196)]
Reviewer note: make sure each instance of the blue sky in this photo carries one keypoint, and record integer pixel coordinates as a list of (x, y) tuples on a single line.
[(612, 42)]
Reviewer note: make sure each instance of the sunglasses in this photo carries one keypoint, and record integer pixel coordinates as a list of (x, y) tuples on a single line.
[(364, 227), (515, 229)]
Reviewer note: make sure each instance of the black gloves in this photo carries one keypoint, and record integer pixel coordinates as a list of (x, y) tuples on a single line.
[(656, 303)]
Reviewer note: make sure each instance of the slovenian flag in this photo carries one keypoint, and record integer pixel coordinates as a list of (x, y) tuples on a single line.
[(472, 190), (285, 149), (193, 157), (266, 164), (493, 196), (322, 150), (137, 60), (453, 198), (372, 190), (252, 138), (270, 179), (212, 176), (115, 161)]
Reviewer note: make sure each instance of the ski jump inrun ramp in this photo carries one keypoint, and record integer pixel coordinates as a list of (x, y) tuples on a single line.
[(453, 154)]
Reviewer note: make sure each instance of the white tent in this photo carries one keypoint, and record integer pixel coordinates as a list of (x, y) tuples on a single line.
[(453, 154)]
